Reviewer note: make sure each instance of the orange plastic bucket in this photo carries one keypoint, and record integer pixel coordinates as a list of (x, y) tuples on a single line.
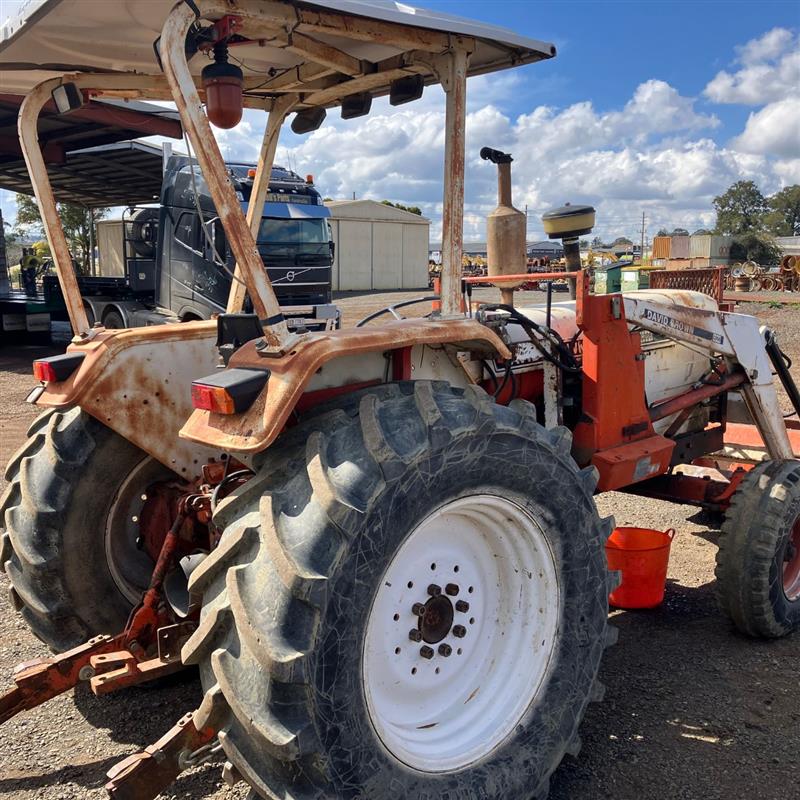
[(642, 556)]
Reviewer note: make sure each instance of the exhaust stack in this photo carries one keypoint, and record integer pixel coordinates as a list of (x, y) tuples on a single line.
[(505, 228)]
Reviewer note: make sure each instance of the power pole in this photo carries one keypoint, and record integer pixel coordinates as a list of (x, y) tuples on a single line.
[(641, 252)]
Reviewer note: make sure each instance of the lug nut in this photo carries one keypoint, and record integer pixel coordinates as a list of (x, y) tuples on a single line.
[(426, 652), (415, 635), (459, 631), (434, 590), (418, 610), (451, 589), (462, 606), (445, 650)]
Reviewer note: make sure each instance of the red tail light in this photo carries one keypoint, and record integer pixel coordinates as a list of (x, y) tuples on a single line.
[(212, 398), (56, 368), (230, 392)]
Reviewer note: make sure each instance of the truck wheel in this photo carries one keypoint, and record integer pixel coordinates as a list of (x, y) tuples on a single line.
[(758, 562), (408, 600), (69, 512), (113, 320)]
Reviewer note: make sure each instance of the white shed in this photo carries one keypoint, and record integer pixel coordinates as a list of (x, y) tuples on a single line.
[(378, 246)]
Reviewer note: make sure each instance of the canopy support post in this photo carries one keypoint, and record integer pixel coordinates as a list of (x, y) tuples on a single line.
[(184, 92), (281, 107), (453, 75), (27, 126)]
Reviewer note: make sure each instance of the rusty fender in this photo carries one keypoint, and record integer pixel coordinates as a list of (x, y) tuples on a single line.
[(138, 383), (256, 429)]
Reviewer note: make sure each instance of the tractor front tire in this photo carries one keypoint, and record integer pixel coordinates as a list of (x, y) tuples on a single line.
[(758, 562), (63, 487), (409, 600)]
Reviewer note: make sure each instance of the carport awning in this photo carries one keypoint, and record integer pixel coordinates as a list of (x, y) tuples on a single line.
[(88, 160), (121, 174)]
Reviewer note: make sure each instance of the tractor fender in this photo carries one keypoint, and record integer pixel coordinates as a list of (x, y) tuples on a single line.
[(358, 361)]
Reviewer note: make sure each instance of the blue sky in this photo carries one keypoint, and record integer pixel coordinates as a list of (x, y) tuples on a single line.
[(653, 106)]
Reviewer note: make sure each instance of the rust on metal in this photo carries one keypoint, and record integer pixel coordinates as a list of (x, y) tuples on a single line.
[(28, 126), (196, 124), (453, 75), (38, 681), (120, 669), (258, 427), (143, 776), (708, 281), (137, 382)]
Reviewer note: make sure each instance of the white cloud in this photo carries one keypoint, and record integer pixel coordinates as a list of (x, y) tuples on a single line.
[(771, 45), (620, 159), (769, 71), (773, 130)]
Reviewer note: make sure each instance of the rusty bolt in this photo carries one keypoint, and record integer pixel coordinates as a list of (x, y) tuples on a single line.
[(418, 610), (426, 652), (462, 606), (445, 650), (434, 590), (451, 589), (459, 631), (415, 635)]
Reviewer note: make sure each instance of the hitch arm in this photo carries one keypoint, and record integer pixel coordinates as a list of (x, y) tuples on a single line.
[(38, 681), (144, 775)]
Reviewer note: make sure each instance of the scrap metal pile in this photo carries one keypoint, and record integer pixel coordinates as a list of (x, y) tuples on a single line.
[(752, 277)]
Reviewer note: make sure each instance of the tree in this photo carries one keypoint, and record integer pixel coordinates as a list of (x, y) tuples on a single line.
[(597, 242), (740, 209), (29, 221), (621, 240), (76, 221), (783, 217), (411, 209), (679, 232), (662, 232), (755, 246), (701, 232)]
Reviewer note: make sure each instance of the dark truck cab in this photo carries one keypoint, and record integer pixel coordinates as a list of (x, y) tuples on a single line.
[(293, 239), (175, 271)]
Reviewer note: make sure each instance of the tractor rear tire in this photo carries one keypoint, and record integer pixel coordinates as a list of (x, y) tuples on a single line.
[(301, 654), (758, 562), (63, 484)]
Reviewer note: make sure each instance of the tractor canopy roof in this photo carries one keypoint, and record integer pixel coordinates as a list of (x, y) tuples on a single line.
[(322, 50)]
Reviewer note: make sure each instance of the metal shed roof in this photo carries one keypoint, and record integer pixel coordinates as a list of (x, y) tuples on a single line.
[(119, 174), (373, 211), (86, 156), (51, 37)]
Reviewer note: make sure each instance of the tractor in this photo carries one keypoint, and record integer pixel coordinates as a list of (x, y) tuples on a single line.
[(379, 545)]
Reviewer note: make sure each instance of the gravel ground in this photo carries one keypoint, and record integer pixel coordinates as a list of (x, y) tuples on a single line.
[(692, 709)]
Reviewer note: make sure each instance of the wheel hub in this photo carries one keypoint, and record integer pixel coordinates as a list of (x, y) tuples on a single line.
[(791, 564), (437, 621), (460, 634)]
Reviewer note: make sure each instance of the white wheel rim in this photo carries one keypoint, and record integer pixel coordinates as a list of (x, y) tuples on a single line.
[(444, 713)]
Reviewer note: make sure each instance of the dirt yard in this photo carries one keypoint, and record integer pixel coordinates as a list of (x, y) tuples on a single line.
[(692, 710)]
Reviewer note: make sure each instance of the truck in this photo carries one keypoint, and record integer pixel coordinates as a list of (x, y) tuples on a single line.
[(171, 263)]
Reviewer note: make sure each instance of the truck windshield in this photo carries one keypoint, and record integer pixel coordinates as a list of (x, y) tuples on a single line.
[(293, 231)]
